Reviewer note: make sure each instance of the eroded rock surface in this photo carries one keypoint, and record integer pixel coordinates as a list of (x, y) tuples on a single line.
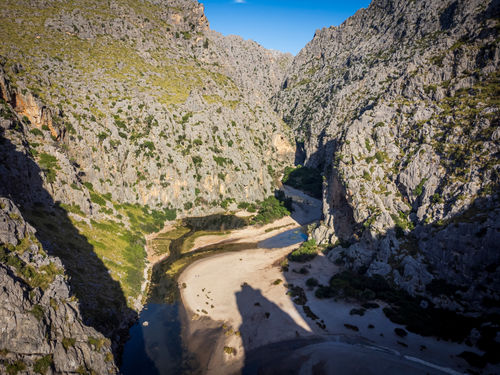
[(397, 106), (42, 329)]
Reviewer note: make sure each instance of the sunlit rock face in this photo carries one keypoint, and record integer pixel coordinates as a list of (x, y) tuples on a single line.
[(114, 116), (153, 106), (397, 106)]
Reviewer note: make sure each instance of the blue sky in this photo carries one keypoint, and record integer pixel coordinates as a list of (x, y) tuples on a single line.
[(285, 25)]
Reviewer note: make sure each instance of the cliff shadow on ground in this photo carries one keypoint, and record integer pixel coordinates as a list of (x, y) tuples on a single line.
[(260, 319), (101, 300)]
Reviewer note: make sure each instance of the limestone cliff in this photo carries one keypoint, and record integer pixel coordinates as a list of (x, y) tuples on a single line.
[(153, 106), (42, 328), (115, 116), (398, 107)]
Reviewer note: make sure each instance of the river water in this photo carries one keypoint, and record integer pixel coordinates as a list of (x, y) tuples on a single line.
[(155, 345)]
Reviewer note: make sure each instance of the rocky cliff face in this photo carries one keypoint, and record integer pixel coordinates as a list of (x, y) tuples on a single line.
[(152, 106), (398, 106), (42, 328), (113, 116)]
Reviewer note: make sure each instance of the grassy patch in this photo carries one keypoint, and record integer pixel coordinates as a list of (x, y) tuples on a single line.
[(161, 243), (43, 364), (120, 248), (35, 277), (49, 166), (14, 367), (402, 222), (38, 312), (307, 251), (97, 343), (68, 342)]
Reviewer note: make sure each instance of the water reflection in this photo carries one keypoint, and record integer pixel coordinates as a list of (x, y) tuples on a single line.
[(154, 348), (284, 239)]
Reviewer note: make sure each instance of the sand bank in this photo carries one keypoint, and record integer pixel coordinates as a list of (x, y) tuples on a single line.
[(238, 298)]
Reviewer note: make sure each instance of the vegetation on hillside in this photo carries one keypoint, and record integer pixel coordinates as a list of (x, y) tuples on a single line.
[(117, 242), (307, 251), (269, 210)]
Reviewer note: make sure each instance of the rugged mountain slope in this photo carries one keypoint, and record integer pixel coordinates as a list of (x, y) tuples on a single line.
[(42, 328), (114, 116), (148, 102), (398, 107)]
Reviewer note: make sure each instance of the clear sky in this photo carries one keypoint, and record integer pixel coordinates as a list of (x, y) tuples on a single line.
[(285, 25)]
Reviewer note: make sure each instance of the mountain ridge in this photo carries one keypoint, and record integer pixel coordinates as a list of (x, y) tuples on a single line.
[(114, 117), (395, 132), (118, 116)]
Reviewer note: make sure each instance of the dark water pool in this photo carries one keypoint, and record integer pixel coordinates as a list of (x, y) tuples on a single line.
[(284, 239), (155, 348)]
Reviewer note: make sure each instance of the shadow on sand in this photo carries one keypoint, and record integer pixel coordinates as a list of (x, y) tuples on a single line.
[(262, 318)]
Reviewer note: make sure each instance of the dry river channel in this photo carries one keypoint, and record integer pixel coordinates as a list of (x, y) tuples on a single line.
[(218, 303)]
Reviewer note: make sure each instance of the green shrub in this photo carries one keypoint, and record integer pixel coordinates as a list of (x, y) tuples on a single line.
[(221, 161), (312, 282), (97, 199), (148, 145), (270, 170), (14, 367), (102, 136), (419, 188), (307, 251), (68, 342), (402, 223), (38, 312), (48, 164), (270, 209), (437, 198), (323, 292), (43, 364), (368, 145), (381, 156), (36, 132), (96, 342), (250, 207), (359, 312)]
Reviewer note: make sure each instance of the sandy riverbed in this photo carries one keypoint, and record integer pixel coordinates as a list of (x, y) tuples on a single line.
[(238, 315), (237, 293)]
